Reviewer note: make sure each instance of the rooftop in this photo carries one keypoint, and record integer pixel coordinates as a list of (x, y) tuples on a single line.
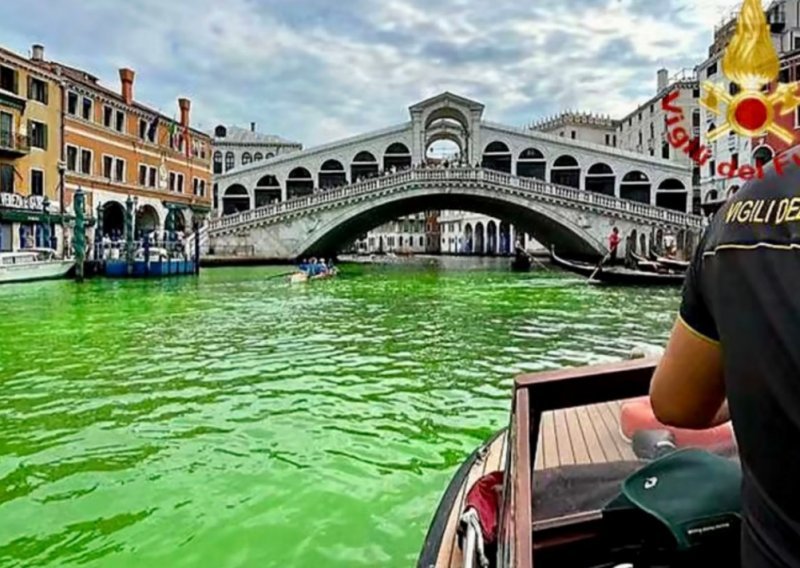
[(572, 118), (238, 135)]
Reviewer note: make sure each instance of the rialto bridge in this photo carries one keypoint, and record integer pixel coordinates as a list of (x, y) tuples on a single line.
[(562, 191)]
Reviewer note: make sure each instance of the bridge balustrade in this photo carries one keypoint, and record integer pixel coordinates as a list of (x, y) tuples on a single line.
[(530, 185)]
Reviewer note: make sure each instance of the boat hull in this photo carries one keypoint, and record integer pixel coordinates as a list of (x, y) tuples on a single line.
[(441, 549), (35, 271), (617, 276)]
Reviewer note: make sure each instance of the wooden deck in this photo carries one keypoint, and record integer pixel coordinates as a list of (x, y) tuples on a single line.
[(582, 435)]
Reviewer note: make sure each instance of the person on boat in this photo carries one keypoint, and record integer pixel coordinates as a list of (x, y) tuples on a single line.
[(613, 246), (733, 354)]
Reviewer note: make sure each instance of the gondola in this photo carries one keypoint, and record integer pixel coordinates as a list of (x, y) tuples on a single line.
[(673, 263), (616, 275), (521, 262), (559, 487)]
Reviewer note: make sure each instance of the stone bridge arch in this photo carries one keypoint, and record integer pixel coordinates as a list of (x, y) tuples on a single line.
[(544, 222)]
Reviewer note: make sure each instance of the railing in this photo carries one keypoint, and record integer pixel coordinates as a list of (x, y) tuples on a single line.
[(15, 142), (530, 186)]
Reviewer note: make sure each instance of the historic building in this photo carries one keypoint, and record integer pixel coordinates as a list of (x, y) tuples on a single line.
[(30, 151), (583, 126), (237, 147), (116, 148), (407, 235), (644, 130)]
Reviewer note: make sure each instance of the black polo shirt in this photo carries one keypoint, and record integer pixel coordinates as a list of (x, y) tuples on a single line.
[(743, 291)]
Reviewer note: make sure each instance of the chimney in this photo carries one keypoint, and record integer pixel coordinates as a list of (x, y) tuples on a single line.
[(185, 105), (252, 127), (126, 78), (38, 52), (663, 79)]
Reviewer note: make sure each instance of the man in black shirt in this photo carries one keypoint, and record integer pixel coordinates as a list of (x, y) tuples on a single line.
[(736, 345)]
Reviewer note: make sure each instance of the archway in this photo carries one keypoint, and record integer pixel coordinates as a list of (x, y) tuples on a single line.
[(468, 239), (332, 174), (497, 157), (113, 219), (491, 238), (447, 114), (635, 186), (299, 183), (763, 155), (235, 199), (268, 190), (480, 243), (147, 221), (672, 194), (531, 163), (364, 166), (397, 156), (601, 179), (505, 238), (566, 171), (442, 149)]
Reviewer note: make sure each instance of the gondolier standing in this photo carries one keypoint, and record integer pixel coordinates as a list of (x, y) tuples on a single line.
[(613, 246)]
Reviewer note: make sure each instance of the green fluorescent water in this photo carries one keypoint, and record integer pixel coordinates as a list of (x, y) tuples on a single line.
[(236, 420)]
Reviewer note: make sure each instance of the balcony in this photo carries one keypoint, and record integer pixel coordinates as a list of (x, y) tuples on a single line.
[(14, 145)]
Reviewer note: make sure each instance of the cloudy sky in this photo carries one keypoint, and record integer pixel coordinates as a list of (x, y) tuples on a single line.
[(317, 70)]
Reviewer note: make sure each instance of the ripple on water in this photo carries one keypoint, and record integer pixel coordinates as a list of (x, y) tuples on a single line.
[(236, 420)]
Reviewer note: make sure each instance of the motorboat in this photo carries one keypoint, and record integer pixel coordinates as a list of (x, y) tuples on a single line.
[(613, 275), (32, 264), (561, 487)]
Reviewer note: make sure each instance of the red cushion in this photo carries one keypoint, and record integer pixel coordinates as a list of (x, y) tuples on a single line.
[(638, 415)]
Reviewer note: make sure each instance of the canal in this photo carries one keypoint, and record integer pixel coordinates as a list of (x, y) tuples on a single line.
[(235, 420)]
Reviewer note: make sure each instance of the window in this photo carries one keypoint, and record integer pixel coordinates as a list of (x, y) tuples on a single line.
[(37, 90), (652, 108), (258, 157), (574, 134), (151, 181), (712, 167), (72, 158), (142, 128), (120, 124), (86, 111), (665, 150), (72, 104), (8, 79), (695, 93), (735, 161), (797, 43), (180, 183), (119, 170), (652, 131), (108, 116), (640, 117), (202, 188), (199, 187), (640, 138), (6, 178), (230, 160), (712, 70), (696, 118), (37, 182), (172, 181), (783, 76), (246, 158), (142, 174), (608, 138), (86, 162), (108, 166), (38, 134), (217, 162), (615, 140)]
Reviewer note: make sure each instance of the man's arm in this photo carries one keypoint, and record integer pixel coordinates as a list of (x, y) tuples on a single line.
[(688, 389)]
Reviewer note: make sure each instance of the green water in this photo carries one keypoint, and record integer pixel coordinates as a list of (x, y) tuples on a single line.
[(235, 420)]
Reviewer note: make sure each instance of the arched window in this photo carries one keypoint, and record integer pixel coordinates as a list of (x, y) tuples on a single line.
[(397, 156), (269, 155), (332, 174), (364, 166), (635, 186), (763, 155), (600, 178), (497, 157), (566, 171), (246, 158), (230, 161), (235, 199), (531, 163), (268, 190), (299, 184), (217, 162), (672, 194), (258, 156)]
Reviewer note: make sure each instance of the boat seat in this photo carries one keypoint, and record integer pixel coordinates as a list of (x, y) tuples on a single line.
[(652, 444)]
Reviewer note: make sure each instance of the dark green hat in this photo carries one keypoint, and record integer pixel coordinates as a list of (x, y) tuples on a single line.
[(695, 494)]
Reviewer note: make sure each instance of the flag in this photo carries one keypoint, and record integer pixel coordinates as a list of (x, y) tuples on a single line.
[(151, 133), (173, 128)]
